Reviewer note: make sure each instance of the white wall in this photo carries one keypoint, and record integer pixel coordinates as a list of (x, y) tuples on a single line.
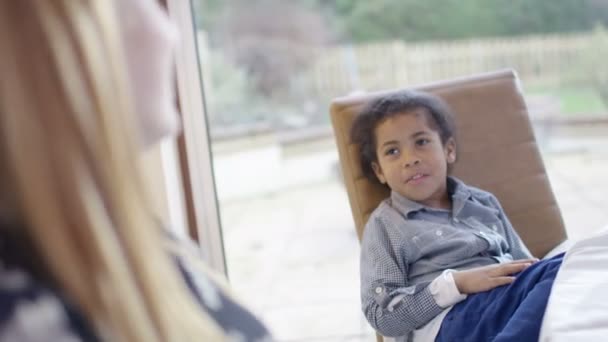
[(257, 169)]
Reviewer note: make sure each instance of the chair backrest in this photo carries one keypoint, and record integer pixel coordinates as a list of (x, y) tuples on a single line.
[(497, 152)]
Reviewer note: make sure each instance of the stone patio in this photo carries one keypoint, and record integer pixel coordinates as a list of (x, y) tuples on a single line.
[(293, 255)]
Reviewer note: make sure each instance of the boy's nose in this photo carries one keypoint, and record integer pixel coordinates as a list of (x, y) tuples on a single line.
[(409, 162)]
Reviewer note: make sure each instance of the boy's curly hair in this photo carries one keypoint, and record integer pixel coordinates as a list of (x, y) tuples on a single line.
[(362, 133)]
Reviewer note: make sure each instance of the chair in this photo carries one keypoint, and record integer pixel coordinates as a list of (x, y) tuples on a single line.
[(497, 152)]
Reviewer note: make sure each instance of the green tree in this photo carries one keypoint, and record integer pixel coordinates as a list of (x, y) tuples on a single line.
[(460, 19)]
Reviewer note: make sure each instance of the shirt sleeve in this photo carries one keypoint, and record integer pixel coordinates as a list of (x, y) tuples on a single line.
[(517, 248), (391, 304), (445, 291)]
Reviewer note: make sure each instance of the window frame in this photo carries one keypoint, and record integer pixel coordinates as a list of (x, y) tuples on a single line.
[(193, 145)]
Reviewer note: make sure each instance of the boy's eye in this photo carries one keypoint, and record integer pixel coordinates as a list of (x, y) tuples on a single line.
[(422, 142), (391, 151)]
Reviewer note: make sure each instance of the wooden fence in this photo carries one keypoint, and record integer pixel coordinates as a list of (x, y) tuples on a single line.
[(539, 60)]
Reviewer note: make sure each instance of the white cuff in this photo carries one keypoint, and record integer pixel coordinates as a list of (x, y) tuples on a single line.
[(444, 290)]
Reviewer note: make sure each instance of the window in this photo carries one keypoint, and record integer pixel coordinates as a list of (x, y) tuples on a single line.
[(269, 69)]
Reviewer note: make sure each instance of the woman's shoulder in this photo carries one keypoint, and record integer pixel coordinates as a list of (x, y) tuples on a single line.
[(32, 311), (31, 307), (214, 296)]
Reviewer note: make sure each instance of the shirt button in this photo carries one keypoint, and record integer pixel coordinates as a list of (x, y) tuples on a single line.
[(494, 227), (378, 290), (439, 233)]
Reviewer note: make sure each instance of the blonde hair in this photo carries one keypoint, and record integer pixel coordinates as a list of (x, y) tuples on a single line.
[(67, 146)]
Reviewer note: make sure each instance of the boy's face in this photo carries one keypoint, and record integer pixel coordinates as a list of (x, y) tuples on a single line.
[(411, 158)]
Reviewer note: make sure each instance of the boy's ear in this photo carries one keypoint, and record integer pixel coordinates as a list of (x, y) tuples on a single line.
[(450, 151), (378, 171)]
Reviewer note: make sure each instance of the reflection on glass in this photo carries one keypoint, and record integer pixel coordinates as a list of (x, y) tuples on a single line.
[(270, 69)]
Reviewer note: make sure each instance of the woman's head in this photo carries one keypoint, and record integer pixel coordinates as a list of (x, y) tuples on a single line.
[(431, 110), (69, 141)]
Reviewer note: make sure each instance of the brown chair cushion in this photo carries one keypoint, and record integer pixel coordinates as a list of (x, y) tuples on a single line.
[(497, 152)]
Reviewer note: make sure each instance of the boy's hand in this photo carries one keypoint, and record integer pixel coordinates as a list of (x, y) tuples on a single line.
[(485, 278)]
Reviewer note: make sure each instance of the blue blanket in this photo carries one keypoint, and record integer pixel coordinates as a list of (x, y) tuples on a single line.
[(508, 313)]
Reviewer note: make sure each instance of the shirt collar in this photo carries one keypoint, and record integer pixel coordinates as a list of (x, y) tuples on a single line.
[(460, 194), (456, 188)]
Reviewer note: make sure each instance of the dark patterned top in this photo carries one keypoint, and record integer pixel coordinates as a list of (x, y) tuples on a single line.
[(32, 310)]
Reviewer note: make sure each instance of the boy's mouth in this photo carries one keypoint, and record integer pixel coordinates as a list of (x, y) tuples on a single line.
[(416, 178)]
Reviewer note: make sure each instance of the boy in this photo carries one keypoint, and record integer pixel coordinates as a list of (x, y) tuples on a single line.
[(436, 241)]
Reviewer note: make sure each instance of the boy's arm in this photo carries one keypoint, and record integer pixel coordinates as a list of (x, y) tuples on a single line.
[(517, 247), (390, 303)]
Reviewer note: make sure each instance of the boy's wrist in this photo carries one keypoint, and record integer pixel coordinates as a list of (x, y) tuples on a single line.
[(457, 276), (445, 290)]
